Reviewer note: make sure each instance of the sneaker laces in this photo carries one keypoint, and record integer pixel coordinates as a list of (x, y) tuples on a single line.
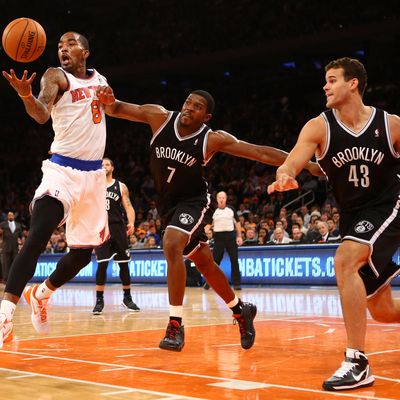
[(238, 320), (173, 329), (344, 369)]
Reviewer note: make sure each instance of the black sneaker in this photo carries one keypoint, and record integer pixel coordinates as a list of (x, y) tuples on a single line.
[(353, 373), (246, 326), (206, 286), (129, 304), (174, 337), (98, 308)]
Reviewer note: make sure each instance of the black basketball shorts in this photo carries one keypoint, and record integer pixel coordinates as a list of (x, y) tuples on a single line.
[(190, 216), (117, 247), (379, 228)]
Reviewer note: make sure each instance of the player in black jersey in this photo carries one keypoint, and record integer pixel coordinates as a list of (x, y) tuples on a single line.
[(117, 248), (181, 146), (358, 147)]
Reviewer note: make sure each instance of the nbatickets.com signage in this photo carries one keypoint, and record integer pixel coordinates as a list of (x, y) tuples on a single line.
[(268, 265)]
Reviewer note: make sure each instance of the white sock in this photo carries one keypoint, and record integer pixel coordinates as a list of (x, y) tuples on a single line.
[(43, 292), (233, 302), (7, 308), (176, 311), (354, 353)]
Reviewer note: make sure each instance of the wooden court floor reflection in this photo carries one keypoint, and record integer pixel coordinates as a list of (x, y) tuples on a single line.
[(299, 343)]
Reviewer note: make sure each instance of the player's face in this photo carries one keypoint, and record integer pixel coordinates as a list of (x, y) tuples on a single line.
[(337, 90), (107, 167), (194, 111), (71, 53)]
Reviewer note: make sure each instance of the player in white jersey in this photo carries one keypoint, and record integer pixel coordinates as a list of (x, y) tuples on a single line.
[(73, 187)]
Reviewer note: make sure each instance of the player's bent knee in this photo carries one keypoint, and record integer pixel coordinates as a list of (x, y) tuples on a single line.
[(381, 313)]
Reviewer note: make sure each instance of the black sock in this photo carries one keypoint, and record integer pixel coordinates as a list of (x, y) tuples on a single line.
[(237, 310), (178, 319), (99, 294), (127, 292)]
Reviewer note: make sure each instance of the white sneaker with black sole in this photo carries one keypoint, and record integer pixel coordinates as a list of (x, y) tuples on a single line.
[(353, 373)]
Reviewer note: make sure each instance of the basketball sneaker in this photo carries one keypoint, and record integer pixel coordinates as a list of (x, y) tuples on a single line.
[(246, 326), (39, 310), (98, 308), (174, 339), (353, 373), (6, 330), (129, 304)]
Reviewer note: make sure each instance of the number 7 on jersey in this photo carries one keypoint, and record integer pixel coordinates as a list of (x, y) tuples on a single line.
[(171, 174)]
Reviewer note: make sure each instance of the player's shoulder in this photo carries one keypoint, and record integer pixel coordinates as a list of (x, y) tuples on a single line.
[(316, 125), (122, 185), (55, 72), (394, 125), (393, 118)]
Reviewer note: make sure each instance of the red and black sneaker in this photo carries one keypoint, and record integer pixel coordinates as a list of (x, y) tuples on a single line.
[(174, 339), (246, 326)]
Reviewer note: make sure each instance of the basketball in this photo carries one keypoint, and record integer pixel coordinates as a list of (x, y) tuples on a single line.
[(24, 40)]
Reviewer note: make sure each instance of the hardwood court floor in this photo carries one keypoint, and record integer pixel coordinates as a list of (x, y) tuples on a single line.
[(299, 343)]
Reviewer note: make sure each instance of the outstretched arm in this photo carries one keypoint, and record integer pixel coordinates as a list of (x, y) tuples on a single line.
[(130, 211), (221, 141), (52, 82), (310, 140), (151, 114)]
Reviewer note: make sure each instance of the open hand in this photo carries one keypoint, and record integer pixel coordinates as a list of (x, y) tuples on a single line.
[(22, 86), (105, 94)]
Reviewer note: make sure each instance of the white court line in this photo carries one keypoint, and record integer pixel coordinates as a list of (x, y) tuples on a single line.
[(21, 376), (138, 349), (114, 369), (387, 379), (47, 337), (207, 377), (301, 338), (46, 349), (285, 319), (383, 352), (357, 396), (37, 357), (106, 385), (118, 392)]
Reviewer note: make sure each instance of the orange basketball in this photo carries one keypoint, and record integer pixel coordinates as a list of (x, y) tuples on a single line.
[(24, 40)]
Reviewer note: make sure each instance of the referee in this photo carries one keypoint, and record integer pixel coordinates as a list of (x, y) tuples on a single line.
[(227, 235)]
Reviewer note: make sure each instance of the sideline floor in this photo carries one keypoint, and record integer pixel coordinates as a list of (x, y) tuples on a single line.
[(299, 343)]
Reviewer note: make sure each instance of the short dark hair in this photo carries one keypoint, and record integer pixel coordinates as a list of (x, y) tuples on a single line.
[(109, 159), (352, 68), (83, 40), (209, 99)]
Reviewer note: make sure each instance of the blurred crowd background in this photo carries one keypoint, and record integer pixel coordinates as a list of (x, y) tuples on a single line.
[(263, 61)]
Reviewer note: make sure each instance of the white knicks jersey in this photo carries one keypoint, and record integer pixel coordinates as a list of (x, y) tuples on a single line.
[(79, 120)]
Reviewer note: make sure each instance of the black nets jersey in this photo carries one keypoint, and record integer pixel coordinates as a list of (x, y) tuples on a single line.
[(177, 163), (114, 203), (363, 168)]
